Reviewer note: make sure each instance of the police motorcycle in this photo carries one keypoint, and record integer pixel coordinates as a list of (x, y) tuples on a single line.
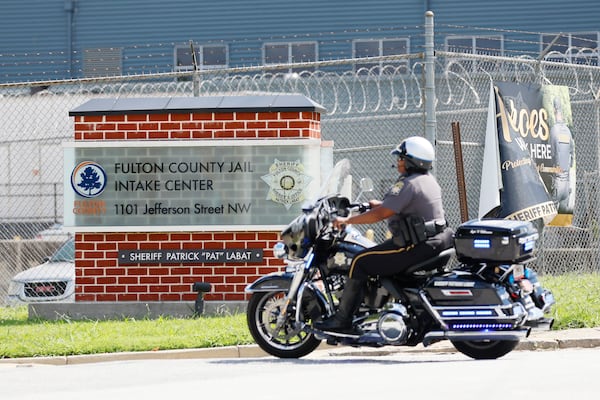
[(480, 295)]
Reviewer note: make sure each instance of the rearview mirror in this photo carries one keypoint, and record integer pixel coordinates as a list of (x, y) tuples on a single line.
[(366, 185)]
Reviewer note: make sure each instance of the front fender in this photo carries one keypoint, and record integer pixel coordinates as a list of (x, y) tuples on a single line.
[(271, 282)]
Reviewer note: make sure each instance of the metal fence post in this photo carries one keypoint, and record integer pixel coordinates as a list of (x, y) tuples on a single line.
[(430, 120), (195, 76)]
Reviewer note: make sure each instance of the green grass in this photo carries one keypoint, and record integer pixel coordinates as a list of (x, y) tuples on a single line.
[(577, 300), (577, 297), (21, 337)]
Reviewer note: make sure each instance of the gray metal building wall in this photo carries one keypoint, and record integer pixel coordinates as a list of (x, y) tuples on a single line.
[(47, 39)]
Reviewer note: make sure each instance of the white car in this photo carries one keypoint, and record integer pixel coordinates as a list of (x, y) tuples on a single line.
[(54, 280)]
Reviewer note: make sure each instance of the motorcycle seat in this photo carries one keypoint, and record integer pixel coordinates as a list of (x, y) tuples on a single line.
[(432, 263)]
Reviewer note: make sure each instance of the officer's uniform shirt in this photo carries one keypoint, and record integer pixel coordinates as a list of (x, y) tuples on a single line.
[(415, 194)]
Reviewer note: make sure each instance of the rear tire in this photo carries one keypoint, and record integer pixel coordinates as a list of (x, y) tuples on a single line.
[(487, 349), (289, 341)]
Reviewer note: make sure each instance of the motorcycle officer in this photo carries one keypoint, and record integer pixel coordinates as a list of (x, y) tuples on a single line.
[(415, 216)]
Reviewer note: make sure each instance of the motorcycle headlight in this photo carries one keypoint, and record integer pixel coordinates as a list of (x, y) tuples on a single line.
[(279, 250)]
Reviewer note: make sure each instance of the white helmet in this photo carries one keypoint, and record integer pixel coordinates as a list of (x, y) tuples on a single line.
[(418, 153)]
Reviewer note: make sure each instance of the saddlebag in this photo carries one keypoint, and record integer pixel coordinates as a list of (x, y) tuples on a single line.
[(456, 290), (495, 240)]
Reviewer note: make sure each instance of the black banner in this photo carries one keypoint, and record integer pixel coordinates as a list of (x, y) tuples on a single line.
[(529, 141)]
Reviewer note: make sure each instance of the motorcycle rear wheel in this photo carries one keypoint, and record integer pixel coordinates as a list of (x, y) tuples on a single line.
[(485, 350), (289, 341)]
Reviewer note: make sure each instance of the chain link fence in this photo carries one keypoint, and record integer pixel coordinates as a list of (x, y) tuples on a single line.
[(369, 110)]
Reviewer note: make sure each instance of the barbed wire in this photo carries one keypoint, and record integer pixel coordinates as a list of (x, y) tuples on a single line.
[(390, 84), (367, 109)]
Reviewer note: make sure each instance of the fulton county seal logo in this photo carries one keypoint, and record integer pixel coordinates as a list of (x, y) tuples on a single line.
[(287, 181), (88, 179)]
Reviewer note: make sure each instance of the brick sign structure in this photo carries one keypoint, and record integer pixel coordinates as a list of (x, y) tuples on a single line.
[(165, 192)]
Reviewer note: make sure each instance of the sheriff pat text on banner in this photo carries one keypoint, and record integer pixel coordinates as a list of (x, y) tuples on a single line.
[(529, 158)]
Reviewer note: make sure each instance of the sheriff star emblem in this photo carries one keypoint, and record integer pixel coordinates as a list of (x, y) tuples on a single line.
[(340, 259), (287, 181)]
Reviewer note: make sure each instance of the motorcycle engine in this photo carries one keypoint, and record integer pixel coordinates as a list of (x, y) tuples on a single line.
[(391, 325)]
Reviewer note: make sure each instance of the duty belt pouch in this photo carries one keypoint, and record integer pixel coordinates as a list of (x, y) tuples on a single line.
[(404, 238), (417, 229), (399, 232), (408, 230), (434, 227)]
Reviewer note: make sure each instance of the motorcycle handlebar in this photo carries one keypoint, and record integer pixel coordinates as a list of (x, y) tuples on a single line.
[(360, 207), (342, 209)]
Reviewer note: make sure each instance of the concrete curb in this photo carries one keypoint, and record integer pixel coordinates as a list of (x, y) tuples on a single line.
[(564, 339), (248, 351), (546, 340)]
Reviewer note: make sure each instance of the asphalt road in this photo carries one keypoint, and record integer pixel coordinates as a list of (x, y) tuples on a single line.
[(559, 374)]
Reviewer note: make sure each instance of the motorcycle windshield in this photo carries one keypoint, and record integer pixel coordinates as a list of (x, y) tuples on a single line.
[(339, 181), (306, 227)]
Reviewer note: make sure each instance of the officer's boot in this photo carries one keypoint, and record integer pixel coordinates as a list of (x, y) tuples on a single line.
[(351, 299)]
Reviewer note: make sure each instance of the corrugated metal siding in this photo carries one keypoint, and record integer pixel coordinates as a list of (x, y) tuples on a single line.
[(145, 31), (523, 15), (243, 25), (156, 20), (468, 17), (28, 29)]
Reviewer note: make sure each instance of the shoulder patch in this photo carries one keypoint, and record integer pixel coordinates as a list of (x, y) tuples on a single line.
[(397, 187)]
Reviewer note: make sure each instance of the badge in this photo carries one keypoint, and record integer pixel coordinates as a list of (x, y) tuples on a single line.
[(340, 258)]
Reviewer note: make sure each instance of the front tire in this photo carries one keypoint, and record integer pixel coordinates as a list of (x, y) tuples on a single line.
[(289, 341), (487, 349)]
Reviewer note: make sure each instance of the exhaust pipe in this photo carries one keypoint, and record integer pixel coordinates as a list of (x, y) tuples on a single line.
[(457, 336)]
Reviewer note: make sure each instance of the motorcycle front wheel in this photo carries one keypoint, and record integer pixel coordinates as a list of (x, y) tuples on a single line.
[(289, 340), (485, 350)]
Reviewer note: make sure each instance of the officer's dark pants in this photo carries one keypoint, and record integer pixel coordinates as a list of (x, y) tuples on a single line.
[(388, 258), (385, 259)]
